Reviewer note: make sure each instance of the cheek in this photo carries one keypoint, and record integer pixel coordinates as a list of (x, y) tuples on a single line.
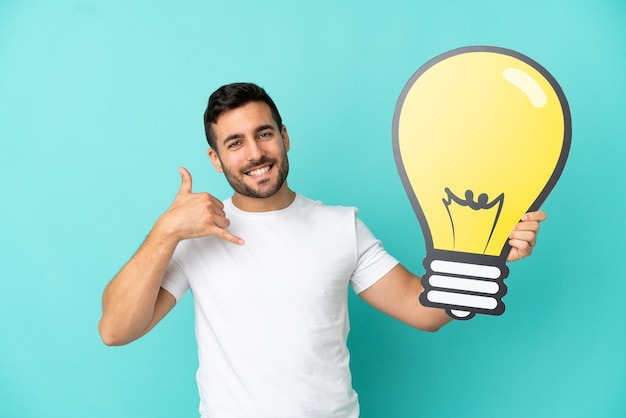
[(229, 164), (277, 149)]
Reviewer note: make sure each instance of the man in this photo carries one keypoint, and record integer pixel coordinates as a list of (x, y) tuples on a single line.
[(269, 272)]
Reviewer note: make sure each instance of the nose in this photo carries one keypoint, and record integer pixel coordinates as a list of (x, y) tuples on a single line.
[(254, 151)]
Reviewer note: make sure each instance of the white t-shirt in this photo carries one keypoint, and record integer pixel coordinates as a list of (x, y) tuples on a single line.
[(272, 315)]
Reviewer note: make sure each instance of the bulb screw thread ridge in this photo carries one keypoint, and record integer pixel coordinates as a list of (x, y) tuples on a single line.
[(464, 287)]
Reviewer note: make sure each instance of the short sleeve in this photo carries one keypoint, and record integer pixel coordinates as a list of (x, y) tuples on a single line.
[(373, 262), (174, 280)]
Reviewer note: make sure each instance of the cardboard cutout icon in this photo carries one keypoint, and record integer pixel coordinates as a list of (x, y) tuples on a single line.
[(480, 137)]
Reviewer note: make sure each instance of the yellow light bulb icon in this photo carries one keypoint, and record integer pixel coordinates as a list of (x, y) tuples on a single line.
[(480, 137)]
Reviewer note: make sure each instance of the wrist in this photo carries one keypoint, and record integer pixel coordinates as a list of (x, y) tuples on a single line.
[(163, 234)]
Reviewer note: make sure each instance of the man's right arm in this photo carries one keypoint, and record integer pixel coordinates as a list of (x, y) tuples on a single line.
[(134, 302)]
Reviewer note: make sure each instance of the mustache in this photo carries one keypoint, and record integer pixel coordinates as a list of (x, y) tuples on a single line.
[(253, 164)]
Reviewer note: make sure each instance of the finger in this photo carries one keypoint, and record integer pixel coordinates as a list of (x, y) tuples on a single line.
[(185, 185), (514, 255), (221, 221), (227, 236), (519, 249), (216, 203), (527, 236), (532, 226), (537, 216)]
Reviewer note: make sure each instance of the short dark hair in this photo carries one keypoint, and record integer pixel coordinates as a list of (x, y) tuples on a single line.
[(232, 96)]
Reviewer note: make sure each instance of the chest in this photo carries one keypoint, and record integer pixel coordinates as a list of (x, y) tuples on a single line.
[(302, 269)]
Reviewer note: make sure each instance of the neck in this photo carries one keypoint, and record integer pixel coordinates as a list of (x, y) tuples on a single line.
[(279, 200)]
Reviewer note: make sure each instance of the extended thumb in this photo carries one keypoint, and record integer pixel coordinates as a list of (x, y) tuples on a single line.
[(185, 185)]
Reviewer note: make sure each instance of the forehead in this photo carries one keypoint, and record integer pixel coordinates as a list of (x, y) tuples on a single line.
[(243, 119)]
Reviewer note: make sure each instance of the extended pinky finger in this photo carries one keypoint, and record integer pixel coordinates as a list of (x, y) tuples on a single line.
[(225, 235)]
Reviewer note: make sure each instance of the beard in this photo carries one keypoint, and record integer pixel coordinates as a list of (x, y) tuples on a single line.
[(265, 188)]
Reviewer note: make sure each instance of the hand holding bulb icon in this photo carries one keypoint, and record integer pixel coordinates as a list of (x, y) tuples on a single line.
[(480, 137)]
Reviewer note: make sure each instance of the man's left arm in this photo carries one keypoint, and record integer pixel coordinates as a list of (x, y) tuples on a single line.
[(397, 293)]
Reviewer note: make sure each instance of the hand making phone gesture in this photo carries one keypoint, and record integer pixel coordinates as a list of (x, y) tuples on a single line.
[(194, 215)]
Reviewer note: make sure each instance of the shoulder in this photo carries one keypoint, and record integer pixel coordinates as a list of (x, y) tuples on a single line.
[(319, 207)]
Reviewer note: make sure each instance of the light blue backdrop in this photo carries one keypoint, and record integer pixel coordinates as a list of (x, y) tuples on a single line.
[(101, 101)]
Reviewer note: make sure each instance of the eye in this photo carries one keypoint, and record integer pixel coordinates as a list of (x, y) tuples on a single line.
[(265, 135), (233, 144)]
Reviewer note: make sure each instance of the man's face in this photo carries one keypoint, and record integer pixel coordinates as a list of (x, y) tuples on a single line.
[(251, 150)]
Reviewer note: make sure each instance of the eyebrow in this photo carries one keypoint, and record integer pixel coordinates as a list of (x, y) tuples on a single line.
[(239, 135)]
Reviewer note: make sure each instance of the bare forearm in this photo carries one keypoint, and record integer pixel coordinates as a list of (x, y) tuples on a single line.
[(397, 294), (431, 319), (129, 300), (413, 312)]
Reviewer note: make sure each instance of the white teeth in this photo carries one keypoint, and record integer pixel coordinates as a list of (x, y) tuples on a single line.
[(259, 171)]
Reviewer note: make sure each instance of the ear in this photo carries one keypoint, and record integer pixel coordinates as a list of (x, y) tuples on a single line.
[(285, 135), (215, 159)]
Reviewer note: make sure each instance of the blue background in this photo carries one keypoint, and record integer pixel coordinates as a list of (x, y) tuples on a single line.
[(101, 101)]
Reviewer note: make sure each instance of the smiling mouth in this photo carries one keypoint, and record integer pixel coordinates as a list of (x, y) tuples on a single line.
[(259, 171)]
